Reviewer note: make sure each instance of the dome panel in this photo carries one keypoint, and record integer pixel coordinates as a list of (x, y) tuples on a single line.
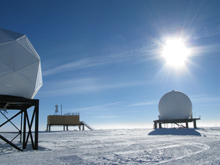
[(21, 66)]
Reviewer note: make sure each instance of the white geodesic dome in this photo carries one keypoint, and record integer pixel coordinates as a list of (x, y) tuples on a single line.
[(20, 66), (175, 105)]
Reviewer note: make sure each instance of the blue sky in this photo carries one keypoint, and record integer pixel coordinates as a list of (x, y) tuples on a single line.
[(102, 58)]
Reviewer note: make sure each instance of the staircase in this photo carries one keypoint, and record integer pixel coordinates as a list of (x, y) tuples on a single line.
[(84, 123), (180, 125)]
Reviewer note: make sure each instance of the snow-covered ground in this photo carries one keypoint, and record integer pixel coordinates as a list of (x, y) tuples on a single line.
[(124, 146)]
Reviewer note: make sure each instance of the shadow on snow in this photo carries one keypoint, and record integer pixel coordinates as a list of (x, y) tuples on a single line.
[(166, 131)]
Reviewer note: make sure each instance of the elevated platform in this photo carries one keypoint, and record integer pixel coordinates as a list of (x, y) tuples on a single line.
[(28, 124), (178, 122), (66, 121)]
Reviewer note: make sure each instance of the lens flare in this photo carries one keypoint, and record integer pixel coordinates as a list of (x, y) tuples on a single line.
[(175, 52)]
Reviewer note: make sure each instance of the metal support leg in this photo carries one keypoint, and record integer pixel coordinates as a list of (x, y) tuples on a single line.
[(21, 127), (24, 130), (160, 125), (155, 125), (36, 125), (194, 123)]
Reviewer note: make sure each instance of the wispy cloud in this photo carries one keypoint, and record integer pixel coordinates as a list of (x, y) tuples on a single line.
[(205, 99), (107, 117), (75, 65), (105, 58), (102, 107), (145, 103), (83, 85), (68, 86)]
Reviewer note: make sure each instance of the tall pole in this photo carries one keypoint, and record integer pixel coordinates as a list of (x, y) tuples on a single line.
[(61, 110)]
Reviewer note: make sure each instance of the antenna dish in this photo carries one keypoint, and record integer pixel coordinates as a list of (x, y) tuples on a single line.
[(56, 110)]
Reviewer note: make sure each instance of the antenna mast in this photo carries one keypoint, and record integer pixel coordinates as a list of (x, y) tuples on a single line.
[(61, 109)]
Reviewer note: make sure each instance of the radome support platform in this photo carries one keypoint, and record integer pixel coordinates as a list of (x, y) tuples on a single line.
[(178, 122), (27, 123)]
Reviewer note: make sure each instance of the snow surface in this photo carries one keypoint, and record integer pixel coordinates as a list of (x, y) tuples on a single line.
[(124, 146)]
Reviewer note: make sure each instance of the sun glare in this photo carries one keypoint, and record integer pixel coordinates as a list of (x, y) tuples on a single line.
[(175, 52)]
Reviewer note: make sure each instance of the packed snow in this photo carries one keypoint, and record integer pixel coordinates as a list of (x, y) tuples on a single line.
[(120, 146)]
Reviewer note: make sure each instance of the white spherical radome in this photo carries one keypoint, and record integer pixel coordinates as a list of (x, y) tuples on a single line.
[(174, 105), (20, 66)]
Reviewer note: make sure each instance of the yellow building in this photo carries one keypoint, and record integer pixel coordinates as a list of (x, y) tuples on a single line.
[(65, 121)]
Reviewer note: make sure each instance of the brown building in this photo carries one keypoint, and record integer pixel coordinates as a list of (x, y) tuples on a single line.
[(65, 121)]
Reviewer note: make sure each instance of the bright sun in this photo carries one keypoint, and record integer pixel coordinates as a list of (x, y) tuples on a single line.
[(175, 52)]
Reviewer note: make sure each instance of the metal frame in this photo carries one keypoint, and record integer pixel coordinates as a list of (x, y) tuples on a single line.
[(66, 126), (22, 105), (158, 123)]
